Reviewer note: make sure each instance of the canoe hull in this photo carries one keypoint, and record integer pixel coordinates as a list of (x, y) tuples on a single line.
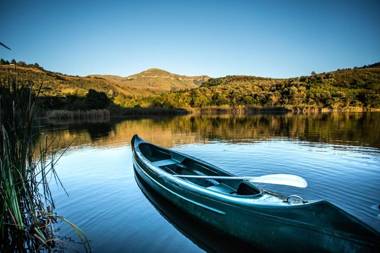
[(261, 229)]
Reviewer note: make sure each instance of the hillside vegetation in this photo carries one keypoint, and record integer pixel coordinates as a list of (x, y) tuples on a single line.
[(342, 89)]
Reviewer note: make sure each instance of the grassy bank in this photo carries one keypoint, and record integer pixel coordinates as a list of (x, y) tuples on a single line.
[(238, 110), (249, 110), (313, 109)]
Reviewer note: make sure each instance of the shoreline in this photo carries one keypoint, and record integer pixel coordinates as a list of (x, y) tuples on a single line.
[(247, 110), (107, 115)]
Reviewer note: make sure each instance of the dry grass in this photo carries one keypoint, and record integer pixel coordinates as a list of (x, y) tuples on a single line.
[(146, 83)]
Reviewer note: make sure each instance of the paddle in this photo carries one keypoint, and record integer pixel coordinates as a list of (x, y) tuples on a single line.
[(280, 179)]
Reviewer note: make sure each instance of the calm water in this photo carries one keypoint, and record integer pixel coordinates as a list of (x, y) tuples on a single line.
[(339, 156)]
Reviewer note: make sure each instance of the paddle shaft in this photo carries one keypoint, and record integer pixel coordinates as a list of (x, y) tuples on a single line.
[(215, 177), (280, 179)]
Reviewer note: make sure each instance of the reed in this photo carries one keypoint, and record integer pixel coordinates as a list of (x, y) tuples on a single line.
[(90, 116), (26, 203)]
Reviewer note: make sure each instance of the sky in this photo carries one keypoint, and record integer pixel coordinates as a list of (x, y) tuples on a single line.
[(215, 38)]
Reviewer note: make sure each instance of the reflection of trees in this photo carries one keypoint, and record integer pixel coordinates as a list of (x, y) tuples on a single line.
[(356, 129), (352, 129)]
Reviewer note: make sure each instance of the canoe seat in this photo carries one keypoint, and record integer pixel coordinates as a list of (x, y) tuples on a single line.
[(165, 162), (247, 189), (221, 188)]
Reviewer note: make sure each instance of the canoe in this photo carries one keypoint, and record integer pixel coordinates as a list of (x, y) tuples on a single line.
[(268, 220)]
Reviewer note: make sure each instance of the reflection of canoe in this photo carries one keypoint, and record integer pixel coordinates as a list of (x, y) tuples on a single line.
[(240, 209), (206, 237)]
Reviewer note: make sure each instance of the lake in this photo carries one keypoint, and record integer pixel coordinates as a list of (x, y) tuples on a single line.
[(338, 154)]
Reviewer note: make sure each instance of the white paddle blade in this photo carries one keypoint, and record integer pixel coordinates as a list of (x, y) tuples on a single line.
[(282, 179)]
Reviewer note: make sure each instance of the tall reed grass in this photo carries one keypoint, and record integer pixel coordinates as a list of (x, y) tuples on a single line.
[(27, 215), (91, 116)]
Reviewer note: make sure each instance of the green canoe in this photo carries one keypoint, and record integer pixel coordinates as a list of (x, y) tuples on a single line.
[(267, 220)]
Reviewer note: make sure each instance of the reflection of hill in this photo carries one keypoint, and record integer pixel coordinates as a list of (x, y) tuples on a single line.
[(351, 129)]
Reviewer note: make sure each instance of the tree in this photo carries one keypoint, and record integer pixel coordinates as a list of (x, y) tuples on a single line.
[(96, 100), (193, 96)]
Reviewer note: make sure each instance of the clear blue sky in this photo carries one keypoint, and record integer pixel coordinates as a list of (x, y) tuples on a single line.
[(217, 38)]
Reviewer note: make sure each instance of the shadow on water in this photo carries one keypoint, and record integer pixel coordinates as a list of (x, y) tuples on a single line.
[(201, 234)]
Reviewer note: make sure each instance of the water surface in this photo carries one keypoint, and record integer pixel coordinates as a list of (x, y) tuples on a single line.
[(338, 154)]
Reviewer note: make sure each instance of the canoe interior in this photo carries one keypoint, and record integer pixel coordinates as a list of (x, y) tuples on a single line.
[(177, 164)]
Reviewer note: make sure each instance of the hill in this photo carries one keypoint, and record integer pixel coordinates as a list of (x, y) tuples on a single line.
[(149, 82)]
